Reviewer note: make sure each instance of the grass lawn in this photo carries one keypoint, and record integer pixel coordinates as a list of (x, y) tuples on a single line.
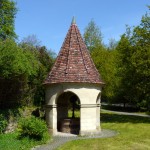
[(10, 141), (133, 134)]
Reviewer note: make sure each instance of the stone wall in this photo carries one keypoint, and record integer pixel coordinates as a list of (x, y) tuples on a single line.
[(89, 96)]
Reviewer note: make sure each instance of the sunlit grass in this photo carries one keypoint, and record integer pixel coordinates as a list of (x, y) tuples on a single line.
[(133, 134), (11, 141), (76, 113)]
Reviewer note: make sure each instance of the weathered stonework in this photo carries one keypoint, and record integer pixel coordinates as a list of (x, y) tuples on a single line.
[(89, 96), (73, 74)]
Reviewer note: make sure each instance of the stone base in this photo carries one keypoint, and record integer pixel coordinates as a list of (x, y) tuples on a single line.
[(90, 133), (81, 133), (52, 131)]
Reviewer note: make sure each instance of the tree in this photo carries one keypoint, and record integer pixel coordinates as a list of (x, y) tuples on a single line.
[(31, 40), (124, 70), (103, 58), (23, 69), (16, 66), (23, 66), (7, 17), (105, 62), (92, 36), (35, 92), (134, 60), (14, 61), (141, 62), (46, 61), (112, 44)]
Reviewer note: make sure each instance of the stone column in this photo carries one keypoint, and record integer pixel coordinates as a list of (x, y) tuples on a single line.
[(88, 119), (51, 118)]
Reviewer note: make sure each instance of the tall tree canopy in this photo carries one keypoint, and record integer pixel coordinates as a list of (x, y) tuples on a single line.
[(105, 62), (23, 66), (103, 59), (134, 64), (124, 65), (92, 36), (31, 40), (7, 17), (17, 65)]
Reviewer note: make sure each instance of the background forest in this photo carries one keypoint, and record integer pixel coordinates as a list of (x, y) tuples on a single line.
[(124, 65)]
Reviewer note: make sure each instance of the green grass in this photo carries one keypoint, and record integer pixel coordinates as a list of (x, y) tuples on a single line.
[(11, 141), (76, 113), (133, 134)]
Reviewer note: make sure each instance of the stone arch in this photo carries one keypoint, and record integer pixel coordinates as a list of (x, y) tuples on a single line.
[(98, 111), (65, 101)]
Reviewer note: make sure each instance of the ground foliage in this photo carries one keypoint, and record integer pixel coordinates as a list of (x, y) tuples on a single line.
[(3, 123), (34, 128), (11, 141)]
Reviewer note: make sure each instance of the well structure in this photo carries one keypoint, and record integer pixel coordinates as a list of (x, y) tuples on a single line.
[(73, 83)]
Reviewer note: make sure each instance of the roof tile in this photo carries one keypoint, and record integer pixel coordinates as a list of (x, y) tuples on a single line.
[(74, 63)]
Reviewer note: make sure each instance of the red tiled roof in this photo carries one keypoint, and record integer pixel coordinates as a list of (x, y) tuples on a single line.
[(74, 63)]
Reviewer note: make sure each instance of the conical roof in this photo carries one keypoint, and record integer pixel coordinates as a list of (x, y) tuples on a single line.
[(74, 63)]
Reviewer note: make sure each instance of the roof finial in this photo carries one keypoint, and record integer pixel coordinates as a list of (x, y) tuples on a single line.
[(73, 20)]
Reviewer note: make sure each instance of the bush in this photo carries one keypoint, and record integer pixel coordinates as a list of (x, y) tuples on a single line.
[(3, 123), (33, 128)]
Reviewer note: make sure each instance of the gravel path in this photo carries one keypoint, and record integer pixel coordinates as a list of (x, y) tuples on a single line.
[(127, 113), (62, 138)]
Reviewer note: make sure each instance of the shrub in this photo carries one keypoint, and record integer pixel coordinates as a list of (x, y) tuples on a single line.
[(33, 128), (3, 123)]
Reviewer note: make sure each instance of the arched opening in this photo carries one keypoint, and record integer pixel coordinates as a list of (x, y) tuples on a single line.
[(98, 111), (68, 113)]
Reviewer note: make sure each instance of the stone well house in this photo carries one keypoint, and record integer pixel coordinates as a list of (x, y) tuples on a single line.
[(73, 76)]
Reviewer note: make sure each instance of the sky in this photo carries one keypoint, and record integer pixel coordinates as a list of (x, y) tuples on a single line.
[(50, 20)]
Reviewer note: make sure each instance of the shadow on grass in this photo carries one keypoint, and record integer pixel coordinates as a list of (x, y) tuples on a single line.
[(120, 108), (117, 118)]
